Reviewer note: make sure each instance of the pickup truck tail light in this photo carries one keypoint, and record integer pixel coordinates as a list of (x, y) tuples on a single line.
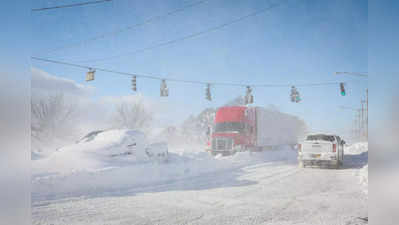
[(334, 147), (299, 147)]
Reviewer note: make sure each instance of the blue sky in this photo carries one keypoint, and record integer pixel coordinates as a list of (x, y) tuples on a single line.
[(301, 41)]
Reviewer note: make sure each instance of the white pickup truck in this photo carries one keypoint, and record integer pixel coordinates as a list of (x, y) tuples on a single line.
[(321, 150)]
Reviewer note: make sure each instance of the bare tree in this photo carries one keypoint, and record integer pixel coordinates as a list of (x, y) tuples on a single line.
[(50, 116), (132, 116)]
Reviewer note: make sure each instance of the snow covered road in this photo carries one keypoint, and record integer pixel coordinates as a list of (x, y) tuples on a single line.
[(271, 192)]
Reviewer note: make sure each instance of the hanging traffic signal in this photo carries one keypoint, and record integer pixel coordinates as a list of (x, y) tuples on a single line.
[(164, 89), (208, 92), (134, 87), (298, 98), (342, 87), (90, 74), (295, 96), (249, 98)]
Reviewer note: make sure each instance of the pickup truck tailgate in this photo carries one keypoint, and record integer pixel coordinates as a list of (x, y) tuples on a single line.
[(317, 147)]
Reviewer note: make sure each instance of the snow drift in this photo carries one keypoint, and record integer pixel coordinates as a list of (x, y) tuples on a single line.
[(98, 150), (89, 168), (358, 155)]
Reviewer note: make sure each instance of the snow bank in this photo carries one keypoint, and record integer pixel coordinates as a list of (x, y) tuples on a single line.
[(358, 154), (364, 177), (357, 148), (95, 151), (99, 177)]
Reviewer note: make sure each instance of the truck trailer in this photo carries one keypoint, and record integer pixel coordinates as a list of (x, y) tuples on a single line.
[(242, 128)]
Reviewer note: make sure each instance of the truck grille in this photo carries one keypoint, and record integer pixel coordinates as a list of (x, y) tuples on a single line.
[(222, 144)]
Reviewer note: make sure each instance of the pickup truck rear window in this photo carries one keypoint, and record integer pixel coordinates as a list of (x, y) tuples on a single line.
[(320, 137)]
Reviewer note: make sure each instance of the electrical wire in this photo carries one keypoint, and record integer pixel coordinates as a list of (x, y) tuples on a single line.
[(130, 27), (190, 36), (70, 5), (179, 80)]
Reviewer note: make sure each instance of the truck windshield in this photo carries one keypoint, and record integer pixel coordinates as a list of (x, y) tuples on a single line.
[(229, 126), (320, 137)]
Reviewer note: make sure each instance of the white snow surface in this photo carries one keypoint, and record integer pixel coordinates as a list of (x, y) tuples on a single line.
[(195, 188), (359, 154), (357, 148), (86, 168)]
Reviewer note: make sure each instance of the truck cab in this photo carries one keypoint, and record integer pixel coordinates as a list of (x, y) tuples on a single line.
[(321, 150), (234, 130)]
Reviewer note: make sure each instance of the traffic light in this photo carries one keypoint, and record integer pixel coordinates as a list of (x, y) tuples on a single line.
[(342, 87), (298, 98), (249, 98), (134, 87), (295, 96), (208, 92), (90, 75), (164, 89)]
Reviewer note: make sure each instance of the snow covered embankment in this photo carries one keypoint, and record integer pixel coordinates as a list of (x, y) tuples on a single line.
[(86, 168), (358, 156)]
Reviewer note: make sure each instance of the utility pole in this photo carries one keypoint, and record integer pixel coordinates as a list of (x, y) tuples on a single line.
[(355, 129), (359, 123), (367, 113), (363, 119)]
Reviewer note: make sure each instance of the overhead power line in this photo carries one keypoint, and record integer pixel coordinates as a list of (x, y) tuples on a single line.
[(130, 27), (190, 36), (70, 5), (91, 68)]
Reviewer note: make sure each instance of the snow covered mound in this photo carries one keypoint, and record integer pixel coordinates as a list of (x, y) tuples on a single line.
[(364, 177), (100, 173), (98, 150), (357, 148), (357, 155)]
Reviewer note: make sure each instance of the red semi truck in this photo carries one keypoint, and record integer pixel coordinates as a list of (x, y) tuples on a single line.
[(241, 128)]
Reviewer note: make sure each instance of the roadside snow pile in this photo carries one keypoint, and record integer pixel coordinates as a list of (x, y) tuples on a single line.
[(357, 155), (357, 148), (41, 149), (364, 178), (87, 168), (96, 150)]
